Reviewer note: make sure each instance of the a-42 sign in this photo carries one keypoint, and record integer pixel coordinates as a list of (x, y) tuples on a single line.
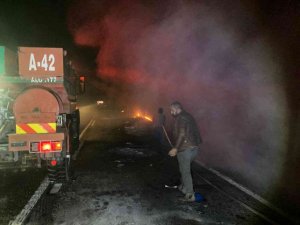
[(40, 62)]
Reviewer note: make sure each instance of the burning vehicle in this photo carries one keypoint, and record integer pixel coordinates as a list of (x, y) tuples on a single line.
[(140, 122)]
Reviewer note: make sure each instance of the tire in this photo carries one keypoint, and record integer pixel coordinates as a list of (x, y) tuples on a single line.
[(60, 173)]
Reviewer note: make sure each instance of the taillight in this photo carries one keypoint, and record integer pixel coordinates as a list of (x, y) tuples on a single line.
[(46, 146), (53, 162), (56, 146)]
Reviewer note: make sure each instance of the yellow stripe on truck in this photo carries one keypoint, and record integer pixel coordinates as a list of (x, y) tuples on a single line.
[(52, 125), (19, 130), (35, 128)]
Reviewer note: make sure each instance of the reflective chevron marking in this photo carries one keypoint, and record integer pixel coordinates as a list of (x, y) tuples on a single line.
[(35, 128)]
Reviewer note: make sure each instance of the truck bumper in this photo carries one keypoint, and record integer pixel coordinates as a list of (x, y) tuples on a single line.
[(21, 142)]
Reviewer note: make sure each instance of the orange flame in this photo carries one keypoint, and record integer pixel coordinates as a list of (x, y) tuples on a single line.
[(139, 114), (148, 118)]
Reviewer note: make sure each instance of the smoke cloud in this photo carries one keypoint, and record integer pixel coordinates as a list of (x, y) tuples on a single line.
[(210, 57)]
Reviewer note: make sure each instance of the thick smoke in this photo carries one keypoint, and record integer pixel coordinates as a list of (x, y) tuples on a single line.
[(211, 58)]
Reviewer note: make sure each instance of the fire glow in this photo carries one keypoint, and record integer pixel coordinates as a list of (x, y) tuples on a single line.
[(139, 114), (201, 58)]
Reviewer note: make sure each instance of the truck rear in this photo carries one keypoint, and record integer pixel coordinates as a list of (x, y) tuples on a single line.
[(39, 115)]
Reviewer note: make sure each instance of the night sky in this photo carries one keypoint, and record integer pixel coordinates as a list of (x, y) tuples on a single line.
[(44, 23), (40, 24)]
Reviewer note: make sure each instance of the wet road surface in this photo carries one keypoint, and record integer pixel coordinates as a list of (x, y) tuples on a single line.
[(115, 175), (115, 182), (16, 188)]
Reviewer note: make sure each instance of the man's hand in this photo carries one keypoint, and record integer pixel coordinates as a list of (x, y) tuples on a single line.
[(173, 152)]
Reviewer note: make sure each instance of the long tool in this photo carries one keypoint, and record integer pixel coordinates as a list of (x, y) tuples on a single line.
[(167, 136)]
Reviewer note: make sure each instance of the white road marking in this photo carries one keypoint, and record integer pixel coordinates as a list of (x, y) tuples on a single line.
[(56, 187), (92, 121), (248, 192), (241, 203), (23, 215), (25, 212)]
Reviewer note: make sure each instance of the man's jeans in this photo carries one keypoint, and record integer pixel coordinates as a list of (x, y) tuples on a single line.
[(185, 159)]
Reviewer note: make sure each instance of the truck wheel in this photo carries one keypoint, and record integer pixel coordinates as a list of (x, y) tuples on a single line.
[(52, 172), (61, 172)]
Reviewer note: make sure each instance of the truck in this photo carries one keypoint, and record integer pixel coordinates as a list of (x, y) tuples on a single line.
[(39, 115)]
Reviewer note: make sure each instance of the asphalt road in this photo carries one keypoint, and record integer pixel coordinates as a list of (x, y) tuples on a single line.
[(118, 180), (16, 188), (116, 183)]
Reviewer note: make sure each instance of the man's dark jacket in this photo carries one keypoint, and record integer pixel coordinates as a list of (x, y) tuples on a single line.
[(186, 132)]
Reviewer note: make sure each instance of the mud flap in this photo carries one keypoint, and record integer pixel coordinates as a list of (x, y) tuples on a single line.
[(61, 172), (75, 131)]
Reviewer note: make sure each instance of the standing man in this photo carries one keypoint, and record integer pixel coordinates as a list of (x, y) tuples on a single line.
[(187, 140)]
